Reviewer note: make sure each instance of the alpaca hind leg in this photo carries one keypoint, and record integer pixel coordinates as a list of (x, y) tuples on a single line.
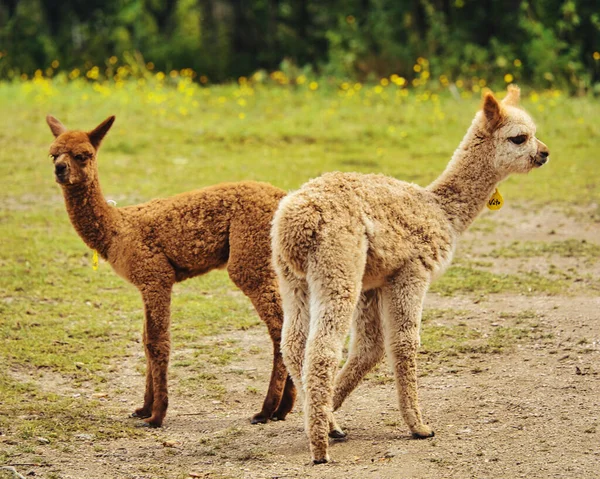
[(287, 400), (334, 293), (402, 308), (278, 382), (260, 285), (366, 346), (296, 313)]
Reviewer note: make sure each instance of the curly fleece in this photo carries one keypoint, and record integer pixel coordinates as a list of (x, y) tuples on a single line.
[(159, 243), (359, 251)]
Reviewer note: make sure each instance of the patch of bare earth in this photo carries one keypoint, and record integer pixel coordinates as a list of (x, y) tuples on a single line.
[(531, 410)]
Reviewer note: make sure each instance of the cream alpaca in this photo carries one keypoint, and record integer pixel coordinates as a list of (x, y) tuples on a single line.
[(361, 250)]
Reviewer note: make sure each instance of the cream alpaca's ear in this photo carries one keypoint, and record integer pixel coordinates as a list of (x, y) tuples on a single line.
[(513, 96), (492, 111), (56, 127), (98, 133)]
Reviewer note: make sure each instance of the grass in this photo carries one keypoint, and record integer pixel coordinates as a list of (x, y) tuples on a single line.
[(467, 279), (571, 248), (59, 316), (446, 333)]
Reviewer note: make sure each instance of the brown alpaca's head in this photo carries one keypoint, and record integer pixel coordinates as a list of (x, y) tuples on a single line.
[(74, 152), (512, 133)]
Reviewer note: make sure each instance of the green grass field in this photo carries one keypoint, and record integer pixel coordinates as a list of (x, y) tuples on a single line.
[(59, 316)]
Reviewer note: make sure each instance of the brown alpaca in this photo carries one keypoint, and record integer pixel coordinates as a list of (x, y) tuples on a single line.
[(361, 250), (164, 241)]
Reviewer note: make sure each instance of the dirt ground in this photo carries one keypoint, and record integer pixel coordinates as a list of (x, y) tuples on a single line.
[(531, 410)]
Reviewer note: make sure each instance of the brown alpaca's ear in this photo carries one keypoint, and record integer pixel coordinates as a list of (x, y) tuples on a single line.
[(56, 127), (513, 96), (492, 111), (98, 133)]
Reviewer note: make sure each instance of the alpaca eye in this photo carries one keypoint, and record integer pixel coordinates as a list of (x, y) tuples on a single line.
[(518, 140), (80, 158)]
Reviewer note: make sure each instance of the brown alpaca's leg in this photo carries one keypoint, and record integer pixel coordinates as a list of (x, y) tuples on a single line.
[(402, 308), (279, 375), (146, 410), (287, 400), (262, 291), (157, 302), (277, 384), (366, 346)]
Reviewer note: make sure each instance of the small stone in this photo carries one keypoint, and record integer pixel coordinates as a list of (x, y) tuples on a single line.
[(79, 365), (84, 437), (393, 453), (171, 443), (99, 395), (42, 440)]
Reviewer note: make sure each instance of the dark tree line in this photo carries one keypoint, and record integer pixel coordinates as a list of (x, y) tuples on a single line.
[(553, 41)]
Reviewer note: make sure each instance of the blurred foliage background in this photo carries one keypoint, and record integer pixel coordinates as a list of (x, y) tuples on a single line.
[(545, 43)]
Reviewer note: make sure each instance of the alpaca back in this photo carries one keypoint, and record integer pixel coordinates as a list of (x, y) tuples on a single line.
[(401, 221), (193, 229)]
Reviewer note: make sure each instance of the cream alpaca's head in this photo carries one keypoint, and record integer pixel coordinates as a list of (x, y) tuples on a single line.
[(512, 133), (73, 153)]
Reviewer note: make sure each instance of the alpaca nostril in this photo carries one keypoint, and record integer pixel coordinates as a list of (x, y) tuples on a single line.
[(544, 154), (60, 168)]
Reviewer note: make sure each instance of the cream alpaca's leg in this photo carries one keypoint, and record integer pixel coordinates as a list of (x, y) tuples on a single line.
[(294, 299), (402, 308), (334, 293), (366, 346)]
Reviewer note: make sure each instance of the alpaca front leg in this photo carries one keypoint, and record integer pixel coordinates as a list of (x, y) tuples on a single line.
[(402, 308), (157, 345), (366, 346), (146, 410)]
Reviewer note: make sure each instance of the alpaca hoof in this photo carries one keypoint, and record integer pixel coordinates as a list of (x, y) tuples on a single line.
[(320, 461), (423, 432), (259, 418), (278, 416), (337, 434), (151, 423), (140, 414)]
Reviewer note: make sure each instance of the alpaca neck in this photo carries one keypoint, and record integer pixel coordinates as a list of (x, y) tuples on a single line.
[(468, 181), (92, 217)]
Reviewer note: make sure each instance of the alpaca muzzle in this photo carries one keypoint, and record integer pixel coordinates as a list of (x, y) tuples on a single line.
[(542, 155), (541, 158), (61, 173)]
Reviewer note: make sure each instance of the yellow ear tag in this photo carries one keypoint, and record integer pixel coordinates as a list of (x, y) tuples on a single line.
[(496, 201), (95, 261)]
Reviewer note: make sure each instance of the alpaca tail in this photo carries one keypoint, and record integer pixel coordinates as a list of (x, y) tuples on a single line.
[(294, 233)]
